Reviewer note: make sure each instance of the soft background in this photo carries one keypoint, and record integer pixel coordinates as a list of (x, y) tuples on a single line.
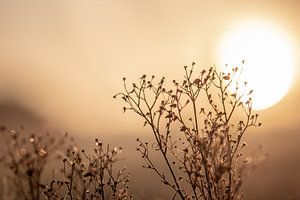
[(62, 61)]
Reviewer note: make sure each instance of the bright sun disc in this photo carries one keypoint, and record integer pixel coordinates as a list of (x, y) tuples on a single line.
[(268, 56)]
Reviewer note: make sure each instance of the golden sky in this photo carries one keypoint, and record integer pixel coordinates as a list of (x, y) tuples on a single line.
[(63, 60)]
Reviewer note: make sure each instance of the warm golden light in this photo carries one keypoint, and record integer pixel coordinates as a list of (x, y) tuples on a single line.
[(268, 56)]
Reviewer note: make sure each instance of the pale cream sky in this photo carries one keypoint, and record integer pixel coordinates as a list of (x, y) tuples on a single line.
[(64, 60)]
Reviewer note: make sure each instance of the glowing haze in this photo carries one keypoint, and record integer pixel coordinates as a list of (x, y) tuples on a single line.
[(268, 57), (63, 60)]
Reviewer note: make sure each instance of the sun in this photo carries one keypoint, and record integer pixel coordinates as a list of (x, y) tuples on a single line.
[(268, 55)]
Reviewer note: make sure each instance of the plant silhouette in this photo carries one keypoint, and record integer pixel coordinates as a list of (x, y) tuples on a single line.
[(198, 125), (79, 175)]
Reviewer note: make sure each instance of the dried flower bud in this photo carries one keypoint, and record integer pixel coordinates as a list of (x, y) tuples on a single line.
[(244, 144), (13, 133), (23, 152), (42, 153), (32, 140), (227, 77)]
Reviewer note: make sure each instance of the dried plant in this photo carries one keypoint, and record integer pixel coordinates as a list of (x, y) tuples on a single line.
[(25, 157), (198, 126), (82, 176), (94, 179)]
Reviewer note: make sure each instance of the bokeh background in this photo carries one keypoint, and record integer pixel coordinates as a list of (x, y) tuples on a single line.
[(61, 61)]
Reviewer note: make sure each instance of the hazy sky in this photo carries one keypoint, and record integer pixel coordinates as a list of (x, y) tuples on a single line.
[(64, 60)]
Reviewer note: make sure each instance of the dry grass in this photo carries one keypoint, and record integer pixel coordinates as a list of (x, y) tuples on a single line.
[(198, 126), (79, 175)]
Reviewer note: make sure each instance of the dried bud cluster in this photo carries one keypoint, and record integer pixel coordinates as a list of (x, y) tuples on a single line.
[(90, 176), (195, 131), (81, 176)]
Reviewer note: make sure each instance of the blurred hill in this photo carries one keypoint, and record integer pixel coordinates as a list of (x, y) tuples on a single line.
[(14, 115)]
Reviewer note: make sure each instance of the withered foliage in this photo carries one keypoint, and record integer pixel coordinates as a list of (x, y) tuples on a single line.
[(79, 175), (198, 125)]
